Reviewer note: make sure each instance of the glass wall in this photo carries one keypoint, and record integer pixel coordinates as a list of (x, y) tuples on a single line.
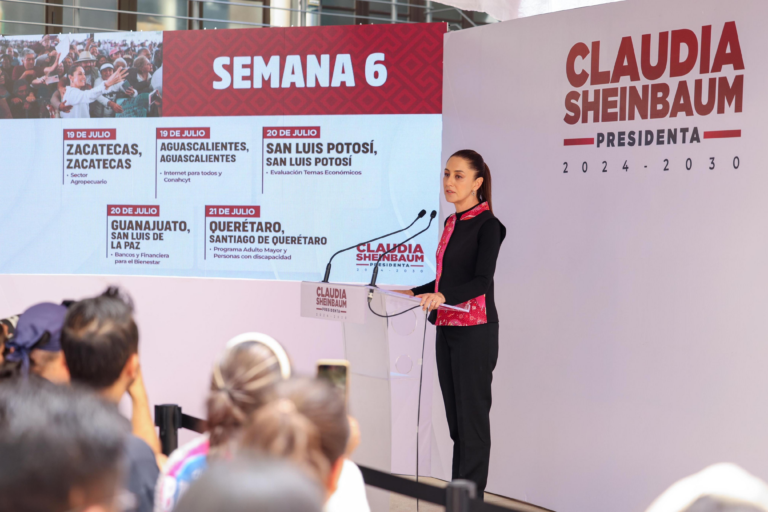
[(167, 7), (233, 14), (219, 14), (98, 19), (23, 12)]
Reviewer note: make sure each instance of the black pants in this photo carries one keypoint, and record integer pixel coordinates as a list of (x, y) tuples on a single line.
[(466, 357)]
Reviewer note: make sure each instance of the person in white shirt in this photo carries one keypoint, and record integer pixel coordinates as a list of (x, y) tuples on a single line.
[(78, 99), (106, 105)]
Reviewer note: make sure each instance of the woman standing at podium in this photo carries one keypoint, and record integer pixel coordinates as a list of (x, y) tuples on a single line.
[(467, 344)]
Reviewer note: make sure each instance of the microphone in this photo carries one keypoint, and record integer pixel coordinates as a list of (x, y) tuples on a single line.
[(376, 268), (328, 266)]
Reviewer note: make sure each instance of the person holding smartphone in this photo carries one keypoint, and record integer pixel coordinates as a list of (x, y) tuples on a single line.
[(467, 344)]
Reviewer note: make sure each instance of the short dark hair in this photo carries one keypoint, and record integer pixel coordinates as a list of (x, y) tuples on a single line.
[(243, 485), (98, 338), (55, 439)]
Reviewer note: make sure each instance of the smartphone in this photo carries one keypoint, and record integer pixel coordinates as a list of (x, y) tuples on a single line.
[(335, 371)]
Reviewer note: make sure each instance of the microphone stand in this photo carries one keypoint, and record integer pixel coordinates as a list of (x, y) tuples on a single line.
[(328, 266), (376, 268)]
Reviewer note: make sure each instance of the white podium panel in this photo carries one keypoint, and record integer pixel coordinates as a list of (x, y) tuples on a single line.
[(382, 352)]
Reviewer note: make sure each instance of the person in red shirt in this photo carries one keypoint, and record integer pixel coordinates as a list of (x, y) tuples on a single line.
[(27, 69)]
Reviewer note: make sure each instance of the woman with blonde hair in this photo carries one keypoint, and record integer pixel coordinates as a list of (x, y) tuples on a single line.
[(241, 382)]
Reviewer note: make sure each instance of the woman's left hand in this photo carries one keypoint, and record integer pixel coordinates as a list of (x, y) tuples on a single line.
[(431, 301), (116, 78)]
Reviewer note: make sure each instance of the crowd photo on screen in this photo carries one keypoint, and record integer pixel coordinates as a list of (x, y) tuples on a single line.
[(81, 75)]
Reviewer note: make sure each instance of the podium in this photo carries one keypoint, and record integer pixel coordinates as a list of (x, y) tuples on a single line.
[(385, 356)]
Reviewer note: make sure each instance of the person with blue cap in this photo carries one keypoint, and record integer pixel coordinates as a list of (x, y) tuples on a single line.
[(35, 346)]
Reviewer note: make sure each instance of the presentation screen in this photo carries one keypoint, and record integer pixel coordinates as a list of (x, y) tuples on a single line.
[(253, 153)]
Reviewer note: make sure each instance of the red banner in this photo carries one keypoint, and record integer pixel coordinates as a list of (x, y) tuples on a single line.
[(232, 211), (90, 134), (353, 69), (291, 132), (133, 210), (183, 133)]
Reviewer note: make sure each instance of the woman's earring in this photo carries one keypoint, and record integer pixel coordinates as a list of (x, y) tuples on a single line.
[(473, 192)]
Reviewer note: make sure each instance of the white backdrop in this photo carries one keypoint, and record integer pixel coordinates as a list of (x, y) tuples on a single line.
[(632, 303)]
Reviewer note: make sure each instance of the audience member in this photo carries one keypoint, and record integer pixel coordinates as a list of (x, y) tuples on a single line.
[(24, 104), (6, 66), (241, 382), (306, 422), (717, 488), (60, 449), (66, 63), (105, 105), (5, 97), (88, 62), (12, 54), (55, 106), (254, 409), (140, 75), (27, 69), (100, 341), (120, 63), (36, 345), (7, 330), (72, 54), (262, 485)]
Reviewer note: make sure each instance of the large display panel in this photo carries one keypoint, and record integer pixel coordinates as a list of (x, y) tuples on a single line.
[(230, 153), (627, 145)]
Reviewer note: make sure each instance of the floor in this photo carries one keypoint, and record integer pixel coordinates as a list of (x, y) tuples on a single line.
[(400, 503)]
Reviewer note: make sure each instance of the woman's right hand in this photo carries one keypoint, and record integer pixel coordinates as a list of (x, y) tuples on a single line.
[(431, 301)]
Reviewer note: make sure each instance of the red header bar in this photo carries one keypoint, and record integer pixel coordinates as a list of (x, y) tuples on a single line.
[(133, 210), (331, 70), (233, 211), (294, 132), (90, 134), (183, 133)]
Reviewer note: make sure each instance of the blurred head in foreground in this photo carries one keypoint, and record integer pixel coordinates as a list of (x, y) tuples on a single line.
[(60, 449), (101, 343), (306, 423), (250, 485), (35, 346), (717, 488)]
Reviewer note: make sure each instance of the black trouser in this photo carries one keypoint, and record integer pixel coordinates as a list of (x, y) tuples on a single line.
[(466, 357)]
